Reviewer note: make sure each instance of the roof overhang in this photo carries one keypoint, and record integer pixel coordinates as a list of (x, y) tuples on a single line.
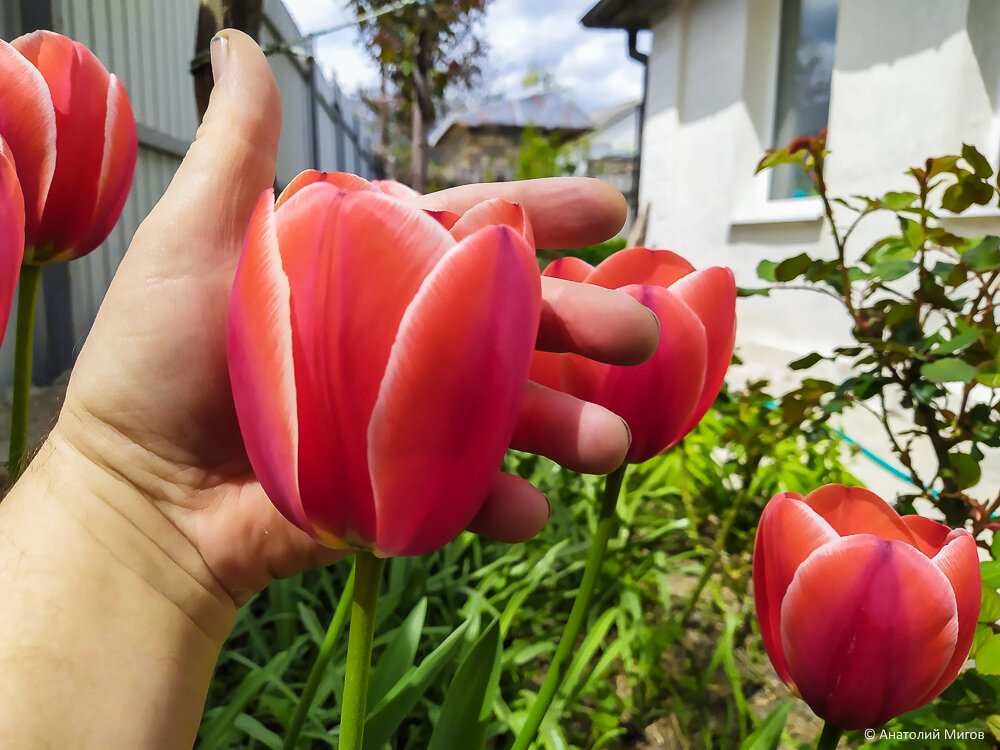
[(623, 14)]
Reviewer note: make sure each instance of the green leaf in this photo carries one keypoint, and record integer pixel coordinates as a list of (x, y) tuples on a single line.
[(895, 201), (959, 341), (807, 361), (891, 270), (990, 570), (988, 374), (767, 735), (948, 370), (912, 232), (765, 270), (398, 656), (775, 158), (965, 469), (214, 731), (942, 164), (993, 724), (984, 256), (977, 161), (384, 719), (792, 268), (990, 611), (888, 248), (467, 706), (987, 656), (742, 291)]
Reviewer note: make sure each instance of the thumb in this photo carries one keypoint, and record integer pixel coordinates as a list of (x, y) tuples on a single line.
[(233, 157)]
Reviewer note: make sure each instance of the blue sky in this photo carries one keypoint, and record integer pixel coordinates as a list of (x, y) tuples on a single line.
[(590, 65)]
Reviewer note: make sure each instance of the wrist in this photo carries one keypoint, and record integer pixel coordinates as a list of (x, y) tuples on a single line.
[(101, 595), (65, 498)]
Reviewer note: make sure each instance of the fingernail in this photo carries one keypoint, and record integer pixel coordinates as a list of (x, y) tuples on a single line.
[(549, 506), (657, 319), (627, 432), (219, 48)]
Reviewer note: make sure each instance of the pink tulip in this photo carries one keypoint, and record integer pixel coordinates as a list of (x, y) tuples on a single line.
[(70, 127), (378, 361), (863, 613), (664, 398), (11, 232)]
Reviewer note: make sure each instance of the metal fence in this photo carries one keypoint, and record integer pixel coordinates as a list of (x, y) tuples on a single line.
[(149, 45)]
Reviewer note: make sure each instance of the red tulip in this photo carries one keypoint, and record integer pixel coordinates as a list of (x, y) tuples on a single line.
[(664, 398), (70, 127), (865, 614), (378, 361), (11, 232)]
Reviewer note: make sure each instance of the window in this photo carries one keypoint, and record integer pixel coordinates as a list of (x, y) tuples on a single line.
[(805, 68)]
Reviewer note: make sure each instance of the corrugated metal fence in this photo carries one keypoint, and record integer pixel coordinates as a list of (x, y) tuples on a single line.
[(149, 45)]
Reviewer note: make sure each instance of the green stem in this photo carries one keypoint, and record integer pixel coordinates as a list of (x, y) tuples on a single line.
[(567, 643), (319, 666), (829, 738), (713, 559), (368, 576), (27, 293)]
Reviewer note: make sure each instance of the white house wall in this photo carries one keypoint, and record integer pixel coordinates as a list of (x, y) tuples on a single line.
[(912, 78)]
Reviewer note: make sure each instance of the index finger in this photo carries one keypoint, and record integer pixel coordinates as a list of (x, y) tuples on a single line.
[(565, 212)]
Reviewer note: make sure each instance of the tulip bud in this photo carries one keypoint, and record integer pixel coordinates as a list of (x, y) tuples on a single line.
[(70, 127), (378, 360), (11, 232), (865, 614), (663, 399)]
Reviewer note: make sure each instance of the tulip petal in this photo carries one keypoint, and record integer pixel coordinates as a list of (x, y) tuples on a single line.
[(354, 262), (494, 212), (28, 124), (11, 233), (867, 626), (344, 180), (959, 561), (117, 167), (259, 349), (569, 267), (855, 510), (640, 265), (449, 400), (789, 531), (656, 398), (929, 536), (445, 218), (711, 293), (78, 84), (546, 368)]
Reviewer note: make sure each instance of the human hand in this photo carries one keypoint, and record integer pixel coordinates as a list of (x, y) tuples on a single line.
[(149, 400)]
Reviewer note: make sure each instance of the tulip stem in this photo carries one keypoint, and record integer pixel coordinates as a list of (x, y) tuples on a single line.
[(27, 293), (368, 576), (319, 666), (829, 738), (577, 615)]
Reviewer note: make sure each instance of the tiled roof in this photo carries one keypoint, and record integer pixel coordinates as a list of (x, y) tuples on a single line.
[(546, 111)]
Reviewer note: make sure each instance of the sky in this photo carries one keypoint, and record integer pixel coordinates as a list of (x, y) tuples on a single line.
[(591, 66)]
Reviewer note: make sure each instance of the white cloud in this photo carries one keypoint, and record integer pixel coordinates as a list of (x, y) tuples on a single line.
[(592, 66)]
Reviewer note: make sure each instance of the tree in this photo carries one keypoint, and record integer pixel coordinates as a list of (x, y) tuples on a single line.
[(422, 48)]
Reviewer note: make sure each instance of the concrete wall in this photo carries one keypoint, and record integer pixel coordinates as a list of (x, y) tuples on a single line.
[(912, 79)]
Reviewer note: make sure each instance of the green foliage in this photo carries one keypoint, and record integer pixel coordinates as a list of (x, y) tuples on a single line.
[(923, 305), (670, 634), (541, 155)]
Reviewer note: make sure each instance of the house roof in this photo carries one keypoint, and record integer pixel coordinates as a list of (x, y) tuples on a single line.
[(623, 14), (546, 111)]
